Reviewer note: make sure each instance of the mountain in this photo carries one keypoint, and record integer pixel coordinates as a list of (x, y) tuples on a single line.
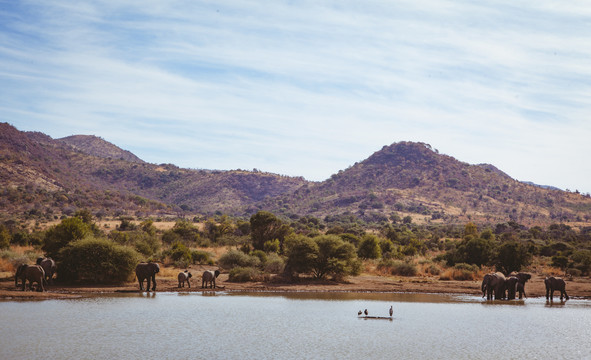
[(41, 177), (409, 178)]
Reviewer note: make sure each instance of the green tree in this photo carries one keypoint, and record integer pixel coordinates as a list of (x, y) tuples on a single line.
[(475, 251), (59, 236), (369, 248), (301, 252), (335, 257), (265, 226), (512, 256)]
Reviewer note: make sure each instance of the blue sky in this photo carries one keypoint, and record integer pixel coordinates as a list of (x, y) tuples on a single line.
[(308, 88)]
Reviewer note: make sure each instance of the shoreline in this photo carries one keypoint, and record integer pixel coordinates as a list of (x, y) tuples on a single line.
[(579, 288)]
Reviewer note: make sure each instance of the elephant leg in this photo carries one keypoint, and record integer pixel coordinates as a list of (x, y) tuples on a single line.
[(141, 282), (565, 294), (149, 281), (188, 283), (154, 282)]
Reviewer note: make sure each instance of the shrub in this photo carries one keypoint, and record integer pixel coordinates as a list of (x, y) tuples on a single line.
[(201, 257), (398, 267), (243, 274), (574, 272), (261, 255), (236, 258), (433, 270), (180, 252), (274, 264), (461, 271), (100, 261), (403, 268)]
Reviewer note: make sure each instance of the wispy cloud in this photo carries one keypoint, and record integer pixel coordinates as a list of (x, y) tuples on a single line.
[(307, 88)]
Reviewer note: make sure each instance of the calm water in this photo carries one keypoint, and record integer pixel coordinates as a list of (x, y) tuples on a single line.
[(293, 326)]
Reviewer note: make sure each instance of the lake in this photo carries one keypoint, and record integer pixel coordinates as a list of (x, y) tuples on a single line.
[(305, 325)]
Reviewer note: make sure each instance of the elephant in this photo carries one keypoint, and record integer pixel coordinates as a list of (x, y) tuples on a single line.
[(49, 267), (33, 273), (510, 285), (209, 276), (521, 289), (555, 283), (522, 278), (147, 271), (184, 276), (484, 287), (494, 283)]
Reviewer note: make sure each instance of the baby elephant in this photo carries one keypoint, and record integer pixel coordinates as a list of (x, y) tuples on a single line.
[(209, 277), (184, 276)]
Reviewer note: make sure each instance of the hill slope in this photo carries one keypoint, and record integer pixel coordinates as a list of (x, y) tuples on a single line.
[(43, 177), (413, 179)]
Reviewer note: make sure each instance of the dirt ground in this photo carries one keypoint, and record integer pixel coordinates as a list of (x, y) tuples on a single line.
[(166, 281)]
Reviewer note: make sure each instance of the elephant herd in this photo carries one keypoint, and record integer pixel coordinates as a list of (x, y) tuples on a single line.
[(41, 273), (148, 271), (497, 286)]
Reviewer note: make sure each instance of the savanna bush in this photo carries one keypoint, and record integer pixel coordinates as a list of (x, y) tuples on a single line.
[(461, 271), (244, 274), (201, 257), (398, 267), (275, 264), (236, 258), (97, 260)]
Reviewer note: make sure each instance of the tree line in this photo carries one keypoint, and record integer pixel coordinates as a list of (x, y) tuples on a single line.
[(266, 245)]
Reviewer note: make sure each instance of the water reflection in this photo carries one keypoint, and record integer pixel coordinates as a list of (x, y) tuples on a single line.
[(550, 303)]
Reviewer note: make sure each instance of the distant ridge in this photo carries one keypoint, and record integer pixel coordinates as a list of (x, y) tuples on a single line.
[(549, 187), (94, 145)]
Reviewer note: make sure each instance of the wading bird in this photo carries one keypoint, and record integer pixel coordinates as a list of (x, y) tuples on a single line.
[(365, 312), (391, 311)]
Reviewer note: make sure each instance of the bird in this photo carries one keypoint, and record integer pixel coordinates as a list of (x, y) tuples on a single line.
[(391, 311), (359, 313), (365, 312)]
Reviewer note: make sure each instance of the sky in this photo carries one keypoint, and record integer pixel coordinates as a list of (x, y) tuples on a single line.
[(308, 88)]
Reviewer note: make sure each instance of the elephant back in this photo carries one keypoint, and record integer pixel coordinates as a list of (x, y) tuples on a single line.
[(183, 276), (500, 275)]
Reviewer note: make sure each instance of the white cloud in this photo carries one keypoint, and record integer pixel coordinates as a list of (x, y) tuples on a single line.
[(307, 88)]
